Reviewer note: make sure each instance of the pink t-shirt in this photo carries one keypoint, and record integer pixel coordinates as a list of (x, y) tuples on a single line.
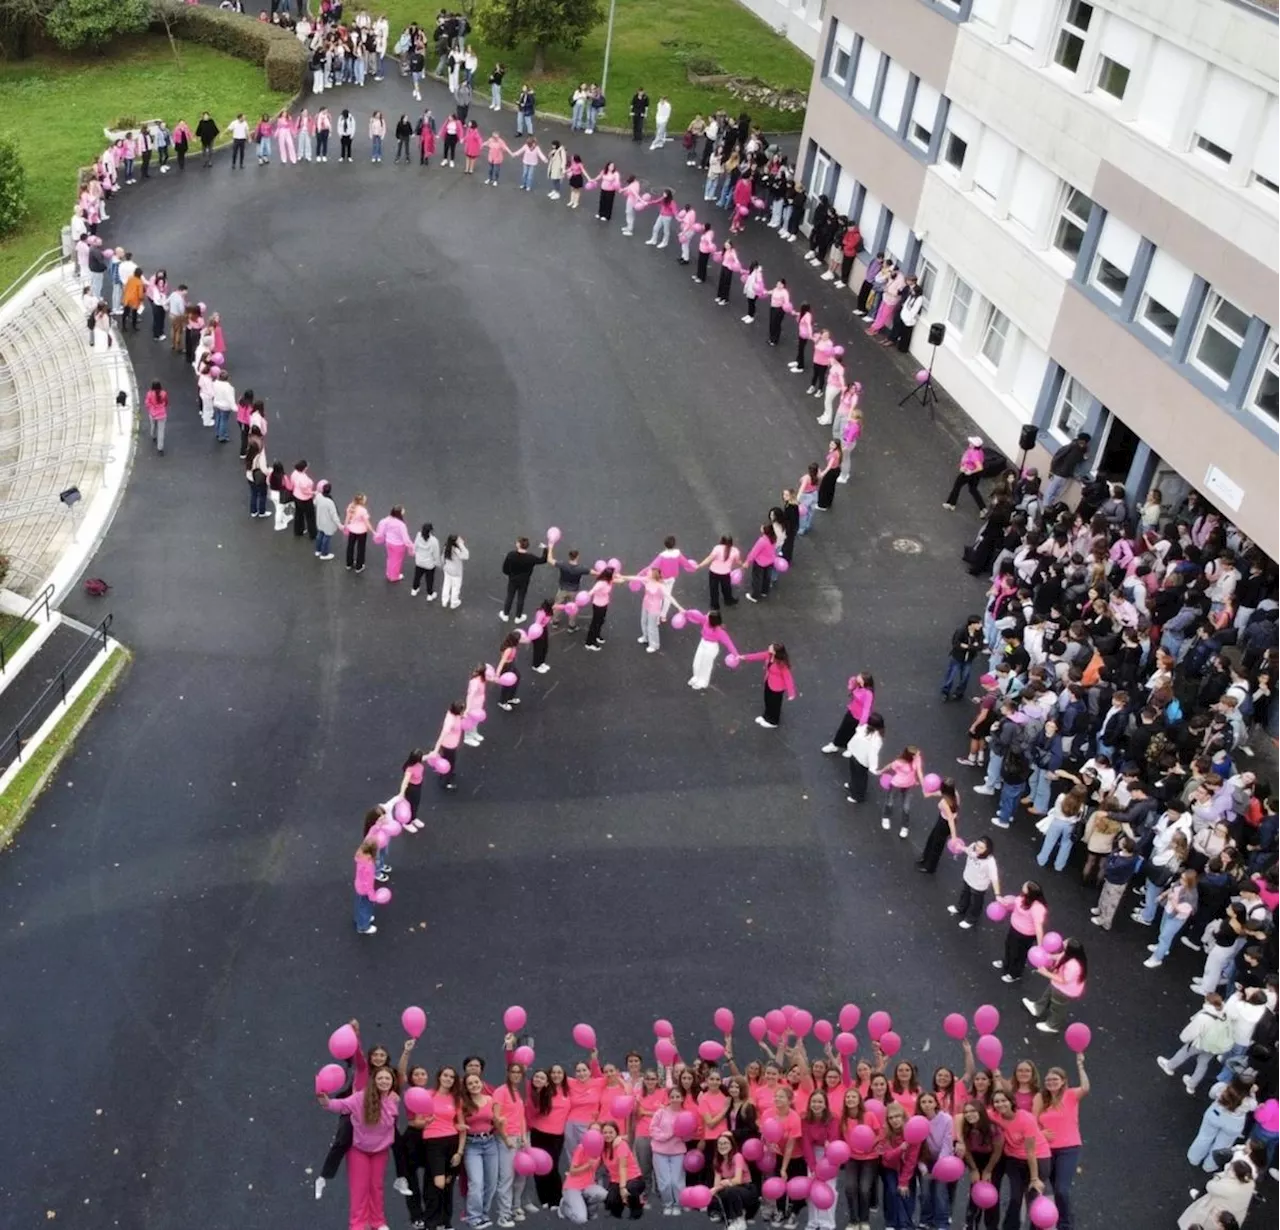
[(1061, 1124), (601, 592), (723, 562), (654, 593), (1028, 920)]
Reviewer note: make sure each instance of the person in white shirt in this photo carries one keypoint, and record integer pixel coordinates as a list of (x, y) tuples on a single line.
[(224, 403), (662, 117), (239, 129), (381, 39)]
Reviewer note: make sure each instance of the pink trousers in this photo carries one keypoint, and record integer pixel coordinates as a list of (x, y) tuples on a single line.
[(884, 315), (365, 1174), (395, 558), (284, 139)]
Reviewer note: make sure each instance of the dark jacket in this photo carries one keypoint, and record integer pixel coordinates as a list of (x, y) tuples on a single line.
[(207, 130), (1066, 461), (519, 565)]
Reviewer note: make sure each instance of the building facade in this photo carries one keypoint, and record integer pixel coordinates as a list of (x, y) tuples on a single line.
[(1089, 196), (799, 21)]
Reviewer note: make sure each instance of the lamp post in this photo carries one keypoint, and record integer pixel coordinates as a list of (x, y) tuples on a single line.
[(608, 43)]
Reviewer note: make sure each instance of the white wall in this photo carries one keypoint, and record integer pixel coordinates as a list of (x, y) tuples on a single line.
[(799, 20)]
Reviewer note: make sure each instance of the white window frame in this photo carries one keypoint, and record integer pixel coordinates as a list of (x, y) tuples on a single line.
[(1147, 299), (896, 75), (836, 52), (1063, 216), (965, 299), (995, 324), (1066, 29), (1068, 392), (928, 271), (1098, 258), (1268, 365), (1105, 62), (915, 122), (1208, 320), (868, 54)]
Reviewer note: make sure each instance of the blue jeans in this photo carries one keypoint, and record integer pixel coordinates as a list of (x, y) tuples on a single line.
[(221, 423), (995, 766), (668, 1171), (526, 177), (935, 1204), (898, 1209), (1038, 788), (363, 913), (1152, 894), (481, 1162), (957, 678), (711, 189), (524, 124), (257, 500), (1010, 793), (1268, 1140), (1218, 1130), (726, 193), (1170, 925), (494, 170), (495, 97), (380, 863), (322, 543), (775, 214), (264, 148), (808, 502), (1059, 835), (579, 111), (1062, 1172), (377, 148)]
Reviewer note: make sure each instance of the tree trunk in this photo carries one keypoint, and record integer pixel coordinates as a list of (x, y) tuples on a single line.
[(539, 58)]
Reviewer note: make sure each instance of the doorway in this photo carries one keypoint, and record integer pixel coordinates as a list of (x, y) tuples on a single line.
[(1116, 450)]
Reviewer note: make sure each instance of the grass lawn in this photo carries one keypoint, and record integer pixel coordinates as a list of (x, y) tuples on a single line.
[(26, 786), (651, 41), (17, 629), (57, 107)]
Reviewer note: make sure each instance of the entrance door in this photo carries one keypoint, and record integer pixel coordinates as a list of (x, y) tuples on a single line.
[(819, 173), (1116, 450)]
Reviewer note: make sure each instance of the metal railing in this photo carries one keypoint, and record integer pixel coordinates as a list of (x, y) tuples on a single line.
[(18, 631), (54, 695), (42, 264)]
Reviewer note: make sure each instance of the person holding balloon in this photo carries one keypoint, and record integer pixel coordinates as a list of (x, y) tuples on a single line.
[(778, 682), (732, 1190), (412, 772), (509, 1098), (860, 1131), (668, 1148), (626, 1184), (599, 595), (373, 1112), (980, 874), (1068, 974), (781, 1130), (582, 1194), (444, 755), (584, 1088), (1057, 1108), (506, 674), (536, 635), (944, 835), (366, 888), (547, 1108), (411, 1158), (473, 711), (1021, 1136), (443, 1143), (980, 1145), (1027, 915), (480, 1122), (940, 1169), (819, 1129), (899, 1154), (901, 775)]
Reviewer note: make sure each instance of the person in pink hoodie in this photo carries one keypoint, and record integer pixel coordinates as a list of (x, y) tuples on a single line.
[(392, 533), (760, 559), (446, 748), (669, 561), (711, 637), (778, 682), (284, 137), (752, 288), (373, 1111), (610, 181), (495, 150), (721, 562), (706, 249), (651, 605), (860, 705), (824, 350), (366, 884), (472, 144), (631, 193), (779, 310), (804, 331), (972, 461), (474, 709), (357, 525), (741, 206), (905, 772), (688, 228), (729, 265)]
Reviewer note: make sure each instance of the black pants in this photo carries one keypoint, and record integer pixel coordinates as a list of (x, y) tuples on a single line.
[(966, 480), (517, 588), (344, 146), (193, 340), (704, 259), (615, 1200), (322, 143), (721, 587), (605, 209), (864, 294), (437, 1202), (128, 314), (901, 334), (846, 268), (846, 730), (508, 694), (708, 148), (637, 127), (427, 574), (356, 544), (548, 1186), (739, 1201), (725, 284), (596, 626), (158, 313), (776, 316), (761, 576), (162, 156), (819, 379), (987, 1218), (800, 349), (540, 648), (304, 518), (970, 902), (181, 151), (237, 152), (859, 1188), (858, 777), (337, 1150), (1018, 1173), (146, 164), (772, 706), (446, 779), (402, 149), (786, 1206), (206, 152), (934, 845), (751, 307), (1016, 947)]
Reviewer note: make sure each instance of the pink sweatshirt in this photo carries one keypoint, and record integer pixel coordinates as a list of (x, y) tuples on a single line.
[(708, 633), (393, 532), (1026, 919), (358, 520), (861, 701), (531, 155), (823, 352), (497, 147), (670, 562), (972, 459), (780, 297), (688, 219), (723, 562), (610, 181), (368, 1137), (662, 1132), (473, 142), (753, 285), (777, 676), (707, 244), (157, 404), (601, 592), (475, 694), (804, 324), (763, 552), (365, 884), (451, 731)]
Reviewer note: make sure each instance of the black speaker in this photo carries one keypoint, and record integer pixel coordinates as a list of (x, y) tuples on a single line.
[(937, 332), (1027, 437)]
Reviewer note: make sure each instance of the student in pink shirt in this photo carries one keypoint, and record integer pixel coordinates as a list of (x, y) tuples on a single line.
[(584, 1088), (610, 181), (779, 309), (392, 533), (861, 703), (651, 605), (412, 772), (706, 247), (530, 154), (1021, 1134), (712, 1107), (284, 137), (786, 1147), (721, 561), (472, 144), (1057, 1108), (626, 1184), (495, 149), (650, 1097), (365, 886), (507, 653), (541, 640), (631, 193), (752, 288), (711, 637), (443, 1144), (157, 403), (968, 473), (373, 1111), (906, 772), (823, 352), (304, 501), (668, 1149), (688, 220), (863, 1165), (474, 707), (733, 1194), (661, 234), (601, 592), (447, 743), (357, 526), (669, 561), (729, 265), (1027, 915), (1067, 979), (777, 682), (547, 1112)]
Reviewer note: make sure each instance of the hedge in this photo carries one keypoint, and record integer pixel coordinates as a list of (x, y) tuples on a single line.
[(281, 55)]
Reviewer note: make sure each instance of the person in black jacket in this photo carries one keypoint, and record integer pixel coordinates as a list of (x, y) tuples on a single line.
[(1062, 468), (639, 109), (518, 569), (966, 644), (404, 134), (206, 134)]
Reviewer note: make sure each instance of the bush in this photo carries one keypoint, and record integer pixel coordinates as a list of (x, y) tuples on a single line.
[(13, 187), (77, 23), (281, 55)]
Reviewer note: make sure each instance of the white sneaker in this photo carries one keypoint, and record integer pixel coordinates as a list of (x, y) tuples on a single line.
[(401, 1186), (1152, 963), (884, 823), (502, 615), (828, 748), (965, 924), (652, 649), (951, 909), (828, 276), (1165, 1066), (320, 1182), (847, 753), (746, 320), (542, 670), (369, 930), (902, 832), (984, 789)]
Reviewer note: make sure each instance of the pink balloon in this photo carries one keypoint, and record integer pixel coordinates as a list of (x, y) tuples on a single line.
[(824, 1031), (583, 598), (391, 828), (916, 1129), (480, 716), (711, 1051), (553, 536), (414, 1021), (989, 1050), (757, 1027), (890, 1043), (593, 1142), (514, 1019), (921, 376), (752, 1148), (802, 1022), (591, 185), (508, 679), (343, 1042), (543, 1163), (217, 358), (1037, 957), (849, 1017), (984, 1194), (1043, 1212), (585, 1037), (838, 351), (948, 1169), (662, 1028), (771, 1130), (955, 1026), (381, 838), (776, 1188), (1078, 1036), (694, 1161), (699, 227), (886, 780), (862, 1138), (875, 1107), (402, 812), (215, 372), (600, 565), (442, 766), (757, 202), (846, 1044), (955, 847), (838, 1152), (331, 1078), (571, 609), (878, 1023), (1267, 1116), (686, 1124), (419, 1101), (468, 722), (825, 1170), (987, 1019), (742, 211), (932, 782), (635, 586), (523, 1055), (665, 1052), (678, 620), (534, 632), (735, 577), (776, 1020), (798, 1188), (523, 1162), (615, 563), (781, 565), (382, 896), (723, 1019), (821, 1196), (995, 911), (768, 1163), (732, 661), (1052, 942)]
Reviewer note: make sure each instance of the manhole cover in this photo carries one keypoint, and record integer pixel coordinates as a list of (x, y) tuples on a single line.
[(908, 546)]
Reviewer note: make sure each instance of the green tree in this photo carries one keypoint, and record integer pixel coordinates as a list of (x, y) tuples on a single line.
[(78, 23), (20, 22), (544, 23), (13, 186)]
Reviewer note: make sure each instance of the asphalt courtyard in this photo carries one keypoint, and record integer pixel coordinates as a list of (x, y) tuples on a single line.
[(175, 927)]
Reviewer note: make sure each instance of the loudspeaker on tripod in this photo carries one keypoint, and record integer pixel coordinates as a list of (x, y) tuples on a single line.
[(1027, 437), (937, 332)]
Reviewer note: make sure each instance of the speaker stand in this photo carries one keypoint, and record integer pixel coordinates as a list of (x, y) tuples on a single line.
[(925, 391)]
